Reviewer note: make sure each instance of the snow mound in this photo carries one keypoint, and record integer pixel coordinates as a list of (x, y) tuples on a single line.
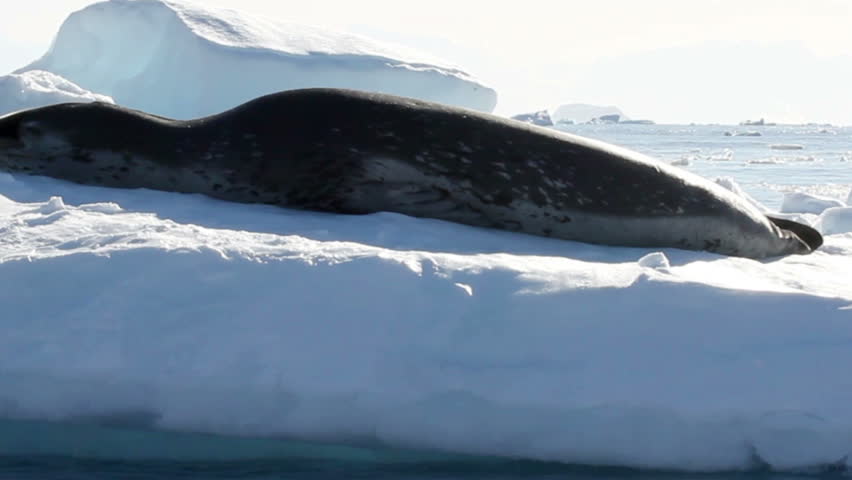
[(849, 199), (184, 60), (189, 314), (37, 88), (657, 261), (583, 113), (835, 220), (798, 202)]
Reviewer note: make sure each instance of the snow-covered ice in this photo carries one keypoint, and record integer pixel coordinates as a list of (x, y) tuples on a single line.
[(36, 88), (183, 59), (800, 202), (205, 316), (835, 220)]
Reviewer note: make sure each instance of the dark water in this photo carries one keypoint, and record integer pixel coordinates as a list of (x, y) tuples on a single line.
[(41, 468), (44, 450), (823, 166)]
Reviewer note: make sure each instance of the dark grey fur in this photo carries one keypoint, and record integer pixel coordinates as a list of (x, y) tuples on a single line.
[(355, 152)]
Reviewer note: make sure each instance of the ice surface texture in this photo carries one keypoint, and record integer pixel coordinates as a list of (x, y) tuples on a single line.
[(36, 88), (206, 316)]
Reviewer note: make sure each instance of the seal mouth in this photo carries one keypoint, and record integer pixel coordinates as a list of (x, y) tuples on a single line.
[(808, 235)]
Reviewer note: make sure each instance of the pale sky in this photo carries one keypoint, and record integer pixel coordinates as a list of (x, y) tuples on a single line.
[(673, 61)]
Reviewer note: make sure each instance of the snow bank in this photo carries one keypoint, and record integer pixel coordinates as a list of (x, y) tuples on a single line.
[(188, 314), (835, 220), (583, 113), (798, 202), (37, 88), (185, 60)]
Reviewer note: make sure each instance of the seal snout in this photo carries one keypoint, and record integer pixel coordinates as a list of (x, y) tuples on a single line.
[(809, 238)]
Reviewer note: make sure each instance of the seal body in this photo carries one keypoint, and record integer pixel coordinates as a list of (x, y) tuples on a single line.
[(355, 152)]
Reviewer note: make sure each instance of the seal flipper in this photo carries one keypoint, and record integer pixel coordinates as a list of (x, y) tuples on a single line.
[(807, 234)]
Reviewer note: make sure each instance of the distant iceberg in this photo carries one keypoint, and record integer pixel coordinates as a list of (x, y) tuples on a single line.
[(747, 133), (37, 88), (184, 60), (636, 122), (578, 113), (540, 118), (757, 123), (584, 113)]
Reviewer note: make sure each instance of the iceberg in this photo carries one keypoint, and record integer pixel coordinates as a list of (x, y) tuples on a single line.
[(183, 60), (585, 113), (540, 118), (180, 313)]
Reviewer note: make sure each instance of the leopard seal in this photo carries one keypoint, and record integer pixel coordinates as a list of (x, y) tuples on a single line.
[(355, 152)]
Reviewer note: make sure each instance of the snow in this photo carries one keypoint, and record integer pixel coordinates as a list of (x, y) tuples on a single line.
[(37, 88), (835, 220), (196, 315), (799, 202), (583, 113), (198, 60), (656, 260)]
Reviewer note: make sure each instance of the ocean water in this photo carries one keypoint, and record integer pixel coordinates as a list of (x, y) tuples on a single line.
[(114, 452), (823, 165)]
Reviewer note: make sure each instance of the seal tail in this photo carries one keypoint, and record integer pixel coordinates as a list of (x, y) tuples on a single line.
[(809, 235)]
